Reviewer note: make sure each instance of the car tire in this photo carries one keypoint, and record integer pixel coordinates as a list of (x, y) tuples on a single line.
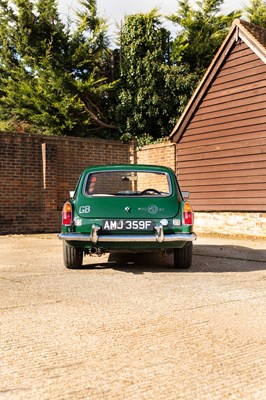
[(72, 257), (183, 256)]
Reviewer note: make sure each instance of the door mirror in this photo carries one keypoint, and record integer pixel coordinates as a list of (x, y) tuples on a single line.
[(186, 194)]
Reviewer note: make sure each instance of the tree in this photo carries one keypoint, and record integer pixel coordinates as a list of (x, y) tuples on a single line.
[(256, 12), (53, 79), (61, 78), (150, 88), (202, 31)]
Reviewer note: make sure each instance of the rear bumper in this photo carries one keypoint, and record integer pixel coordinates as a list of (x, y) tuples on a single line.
[(159, 237)]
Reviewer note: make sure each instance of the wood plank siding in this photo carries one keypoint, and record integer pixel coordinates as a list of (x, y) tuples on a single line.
[(221, 156)]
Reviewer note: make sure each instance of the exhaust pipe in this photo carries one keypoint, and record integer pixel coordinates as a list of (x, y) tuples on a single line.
[(96, 251)]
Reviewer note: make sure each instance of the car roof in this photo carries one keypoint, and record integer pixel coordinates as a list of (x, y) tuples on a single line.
[(131, 167)]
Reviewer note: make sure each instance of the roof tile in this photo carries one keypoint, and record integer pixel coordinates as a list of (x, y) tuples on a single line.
[(256, 31)]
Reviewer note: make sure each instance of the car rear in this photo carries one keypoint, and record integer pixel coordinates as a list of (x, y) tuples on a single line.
[(127, 208)]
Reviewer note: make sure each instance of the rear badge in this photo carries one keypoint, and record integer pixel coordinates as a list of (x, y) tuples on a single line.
[(127, 209), (152, 209)]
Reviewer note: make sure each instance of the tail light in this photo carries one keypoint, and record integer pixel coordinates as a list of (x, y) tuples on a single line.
[(67, 214), (187, 214)]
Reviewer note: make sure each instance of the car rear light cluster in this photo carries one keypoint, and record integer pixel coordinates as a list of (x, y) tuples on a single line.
[(67, 214), (187, 214)]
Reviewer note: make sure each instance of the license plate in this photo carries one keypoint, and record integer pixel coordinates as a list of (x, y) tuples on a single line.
[(120, 224)]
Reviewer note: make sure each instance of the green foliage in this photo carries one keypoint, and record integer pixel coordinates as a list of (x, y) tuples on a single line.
[(150, 89), (58, 78), (202, 30), (256, 12), (53, 79)]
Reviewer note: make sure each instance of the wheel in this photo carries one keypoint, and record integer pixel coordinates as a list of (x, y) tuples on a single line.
[(72, 257), (183, 256)]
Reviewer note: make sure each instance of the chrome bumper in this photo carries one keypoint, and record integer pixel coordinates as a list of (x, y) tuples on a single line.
[(158, 237)]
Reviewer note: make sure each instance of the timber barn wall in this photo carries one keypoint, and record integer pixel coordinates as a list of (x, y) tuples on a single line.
[(221, 157)]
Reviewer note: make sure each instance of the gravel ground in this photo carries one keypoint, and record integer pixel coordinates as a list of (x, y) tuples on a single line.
[(131, 327)]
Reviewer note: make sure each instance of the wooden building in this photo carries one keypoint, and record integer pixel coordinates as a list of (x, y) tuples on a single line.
[(221, 136)]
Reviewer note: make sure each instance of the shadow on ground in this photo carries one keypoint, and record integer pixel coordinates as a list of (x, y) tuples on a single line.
[(206, 258)]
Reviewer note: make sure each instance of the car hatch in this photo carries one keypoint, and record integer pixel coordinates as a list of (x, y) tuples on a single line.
[(127, 194)]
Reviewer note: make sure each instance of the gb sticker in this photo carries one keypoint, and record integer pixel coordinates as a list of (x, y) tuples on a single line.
[(84, 209)]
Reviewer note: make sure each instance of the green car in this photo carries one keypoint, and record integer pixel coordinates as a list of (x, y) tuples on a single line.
[(127, 208)]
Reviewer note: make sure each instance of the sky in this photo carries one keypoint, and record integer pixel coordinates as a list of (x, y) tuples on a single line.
[(115, 10)]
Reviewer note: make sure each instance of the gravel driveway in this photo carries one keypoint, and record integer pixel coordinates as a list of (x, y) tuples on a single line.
[(132, 327)]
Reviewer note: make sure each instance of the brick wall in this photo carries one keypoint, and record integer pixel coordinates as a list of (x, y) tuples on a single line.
[(158, 154), (231, 223), (37, 172)]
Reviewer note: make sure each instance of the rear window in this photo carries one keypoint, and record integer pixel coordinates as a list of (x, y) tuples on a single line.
[(128, 183)]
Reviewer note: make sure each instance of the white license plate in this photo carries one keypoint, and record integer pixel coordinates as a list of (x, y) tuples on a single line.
[(120, 224)]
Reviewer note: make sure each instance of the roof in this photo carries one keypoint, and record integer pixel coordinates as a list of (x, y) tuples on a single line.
[(128, 167), (255, 38), (257, 32)]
